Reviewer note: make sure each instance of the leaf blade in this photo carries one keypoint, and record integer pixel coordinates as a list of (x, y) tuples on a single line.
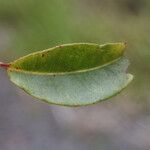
[(69, 58), (76, 89)]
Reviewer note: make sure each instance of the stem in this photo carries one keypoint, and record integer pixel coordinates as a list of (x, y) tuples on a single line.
[(4, 65)]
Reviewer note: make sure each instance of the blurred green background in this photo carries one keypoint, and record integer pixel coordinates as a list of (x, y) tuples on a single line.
[(119, 124)]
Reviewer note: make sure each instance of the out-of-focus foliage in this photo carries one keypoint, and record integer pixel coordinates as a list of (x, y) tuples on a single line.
[(37, 24), (31, 25)]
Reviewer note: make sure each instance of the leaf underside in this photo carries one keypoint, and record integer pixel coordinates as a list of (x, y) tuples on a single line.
[(66, 75)]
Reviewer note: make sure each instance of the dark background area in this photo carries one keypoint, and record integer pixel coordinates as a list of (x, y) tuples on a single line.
[(122, 123)]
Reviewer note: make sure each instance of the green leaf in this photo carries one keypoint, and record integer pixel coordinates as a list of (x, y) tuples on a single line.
[(73, 74)]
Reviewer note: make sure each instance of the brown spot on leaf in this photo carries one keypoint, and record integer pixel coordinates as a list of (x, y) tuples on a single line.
[(42, 55), (60, 46)]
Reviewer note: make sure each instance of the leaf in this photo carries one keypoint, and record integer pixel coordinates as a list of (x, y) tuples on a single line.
[(73, 74)]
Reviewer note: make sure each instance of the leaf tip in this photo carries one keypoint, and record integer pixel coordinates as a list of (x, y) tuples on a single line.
[(125, 44), (116, 48), (130, 77)]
